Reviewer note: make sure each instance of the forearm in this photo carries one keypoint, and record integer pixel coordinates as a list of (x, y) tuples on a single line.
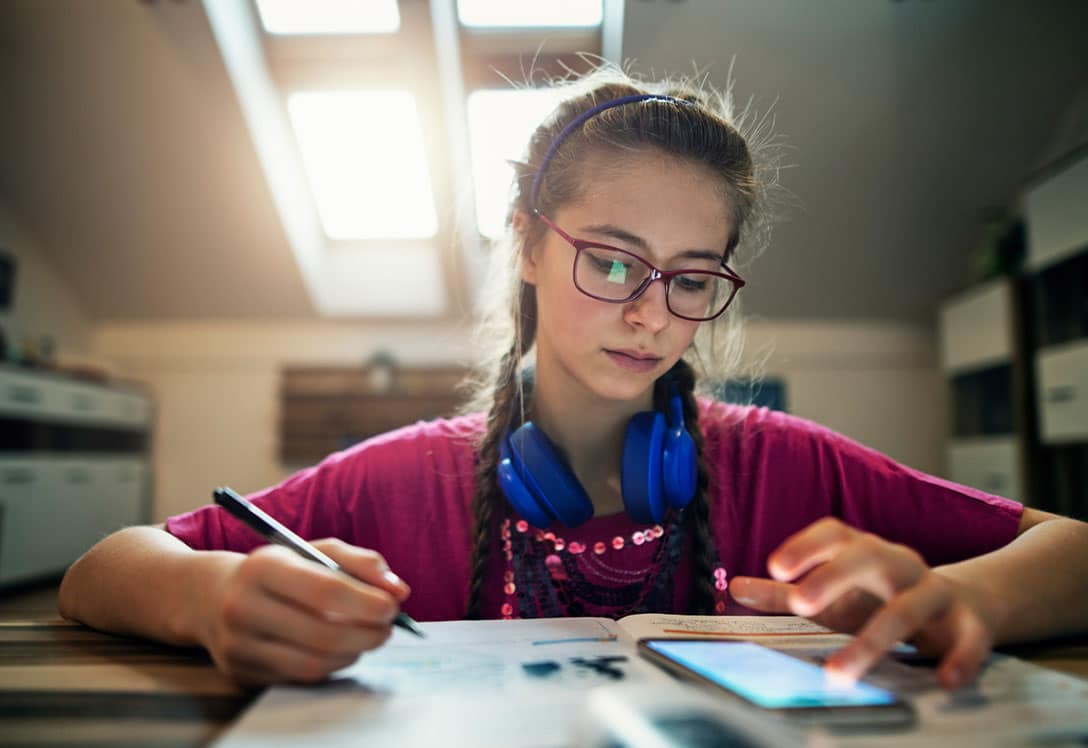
[(141, 581), (1036, 586)]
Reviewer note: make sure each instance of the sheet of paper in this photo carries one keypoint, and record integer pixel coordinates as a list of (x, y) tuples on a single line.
[(523, 683), (480, 683), (1013, 703)]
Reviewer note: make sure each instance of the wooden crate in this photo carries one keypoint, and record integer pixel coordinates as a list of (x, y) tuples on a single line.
[(324, 409)]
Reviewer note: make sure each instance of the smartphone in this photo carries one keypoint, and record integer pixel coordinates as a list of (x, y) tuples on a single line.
[(778, 683)]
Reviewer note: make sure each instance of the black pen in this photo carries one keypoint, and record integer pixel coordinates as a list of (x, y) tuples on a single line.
[(274, 532)]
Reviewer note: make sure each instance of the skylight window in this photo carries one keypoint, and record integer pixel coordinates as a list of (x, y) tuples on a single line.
[(329, 16), (529, 13), (499, 126), (363, 152)]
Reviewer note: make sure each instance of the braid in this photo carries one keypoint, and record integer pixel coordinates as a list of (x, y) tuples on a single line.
[(507, 395), (703, 552)]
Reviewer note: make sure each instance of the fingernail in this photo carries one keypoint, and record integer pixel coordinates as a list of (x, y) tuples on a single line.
[(779, 572), (393, 578), (840, 678), (745, 600)]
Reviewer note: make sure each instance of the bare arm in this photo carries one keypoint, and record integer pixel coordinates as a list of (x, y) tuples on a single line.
[(1037, 585), (145, 582), (264, 617)]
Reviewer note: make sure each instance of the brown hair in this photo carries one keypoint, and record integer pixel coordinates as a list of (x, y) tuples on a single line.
[(701, 133)]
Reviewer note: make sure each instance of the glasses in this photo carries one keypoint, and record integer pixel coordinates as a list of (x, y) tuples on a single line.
[(614, 275)]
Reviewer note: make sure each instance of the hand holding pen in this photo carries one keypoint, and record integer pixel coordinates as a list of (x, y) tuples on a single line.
[(275, 532), (277, 616)]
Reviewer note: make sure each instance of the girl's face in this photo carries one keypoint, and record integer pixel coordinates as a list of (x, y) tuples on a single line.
[(666, 210)]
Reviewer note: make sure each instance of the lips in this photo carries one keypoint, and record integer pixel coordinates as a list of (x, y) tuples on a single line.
[(635, 355), (633, 360)]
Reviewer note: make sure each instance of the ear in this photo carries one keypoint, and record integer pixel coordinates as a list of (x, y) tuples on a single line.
[(520, 222)]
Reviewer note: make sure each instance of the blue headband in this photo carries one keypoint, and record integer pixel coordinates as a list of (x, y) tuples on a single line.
[(578, 121)]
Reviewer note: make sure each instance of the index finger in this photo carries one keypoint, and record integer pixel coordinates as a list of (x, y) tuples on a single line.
[(901, 617), (324, 592), (366, 565)]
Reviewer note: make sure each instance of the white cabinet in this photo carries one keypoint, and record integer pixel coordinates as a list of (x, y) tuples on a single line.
[(25, 395), (50, 398), (1057, 216), (1057, 222), (1062, 389), (979, 353), (26, 516), (976, 328), (73, 469), (991, 464)]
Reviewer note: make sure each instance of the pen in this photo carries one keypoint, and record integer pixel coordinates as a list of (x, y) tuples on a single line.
[(274, 532)]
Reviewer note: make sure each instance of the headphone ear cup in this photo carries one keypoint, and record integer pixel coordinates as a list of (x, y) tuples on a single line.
[(554, 490), (516, 490), (641, 475), (679, 460), (679, 467)]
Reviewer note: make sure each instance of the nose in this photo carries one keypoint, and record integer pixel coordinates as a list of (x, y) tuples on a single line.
[(649, 310)]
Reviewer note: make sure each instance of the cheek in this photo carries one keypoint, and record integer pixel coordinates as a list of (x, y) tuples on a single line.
[(562, 306), (569, 312), (685, 333)]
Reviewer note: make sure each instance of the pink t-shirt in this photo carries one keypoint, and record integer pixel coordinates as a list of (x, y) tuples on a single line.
[(408, 495)]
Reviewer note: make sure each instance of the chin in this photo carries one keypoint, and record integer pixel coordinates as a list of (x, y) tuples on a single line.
[(627, 388)]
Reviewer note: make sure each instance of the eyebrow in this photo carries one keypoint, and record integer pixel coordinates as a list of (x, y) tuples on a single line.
[(615, 232)]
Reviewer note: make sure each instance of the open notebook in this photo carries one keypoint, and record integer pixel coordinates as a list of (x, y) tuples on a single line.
[(525, 682)]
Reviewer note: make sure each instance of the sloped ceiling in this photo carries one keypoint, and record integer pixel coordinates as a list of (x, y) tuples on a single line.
[(124, 151), (904, 119)]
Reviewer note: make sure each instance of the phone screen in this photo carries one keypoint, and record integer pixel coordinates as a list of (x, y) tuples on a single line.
[(765, 677)]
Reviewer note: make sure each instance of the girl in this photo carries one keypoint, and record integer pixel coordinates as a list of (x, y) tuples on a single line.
[(594, 482)]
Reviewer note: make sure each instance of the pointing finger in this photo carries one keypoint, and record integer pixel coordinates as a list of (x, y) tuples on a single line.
[(904, 614)]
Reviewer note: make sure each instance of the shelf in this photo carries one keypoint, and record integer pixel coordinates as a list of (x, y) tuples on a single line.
[(1060, 295), (982, 402)]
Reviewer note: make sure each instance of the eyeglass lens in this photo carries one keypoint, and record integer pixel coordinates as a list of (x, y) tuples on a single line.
[(616, 276)]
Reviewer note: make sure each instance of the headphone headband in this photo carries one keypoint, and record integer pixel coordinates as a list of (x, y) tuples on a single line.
[(578, 122)]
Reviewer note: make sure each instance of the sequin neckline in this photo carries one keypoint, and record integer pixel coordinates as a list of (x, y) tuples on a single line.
[(627, 571)]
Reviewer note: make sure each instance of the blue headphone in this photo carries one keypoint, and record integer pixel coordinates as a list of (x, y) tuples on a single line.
[(659, 470)]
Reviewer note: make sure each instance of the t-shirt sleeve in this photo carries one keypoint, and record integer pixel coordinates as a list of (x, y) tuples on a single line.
[(942, 520), (405, 494), (306, 502), (775, 474)]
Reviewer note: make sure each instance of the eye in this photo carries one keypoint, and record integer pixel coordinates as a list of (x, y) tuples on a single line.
[(613, 265), (692, 283)]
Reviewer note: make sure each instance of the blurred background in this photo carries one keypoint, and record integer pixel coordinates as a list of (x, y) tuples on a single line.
[(236, 235)]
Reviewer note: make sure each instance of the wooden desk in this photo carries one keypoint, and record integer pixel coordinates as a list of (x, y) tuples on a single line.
[(64, 684)]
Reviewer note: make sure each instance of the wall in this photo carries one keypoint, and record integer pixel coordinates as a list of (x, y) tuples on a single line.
[(216, 387), (43, 303)]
